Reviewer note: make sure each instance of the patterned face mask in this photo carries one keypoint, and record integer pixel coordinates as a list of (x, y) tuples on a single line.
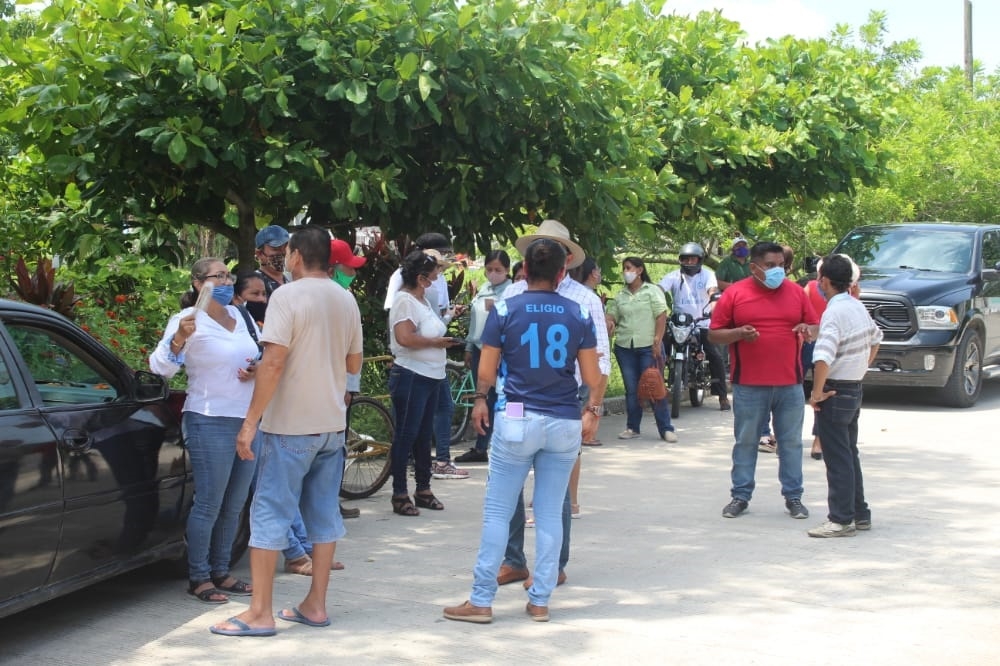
[(277, 262)]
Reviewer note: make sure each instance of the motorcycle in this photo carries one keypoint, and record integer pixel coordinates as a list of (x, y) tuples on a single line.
[(688, 363)]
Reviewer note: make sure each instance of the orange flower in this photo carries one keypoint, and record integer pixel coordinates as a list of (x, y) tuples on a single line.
[(85, 327), (123, 331), (121, 298), (115, 343), (111, 314)]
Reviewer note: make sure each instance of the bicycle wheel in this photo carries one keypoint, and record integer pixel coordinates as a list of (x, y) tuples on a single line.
[(368, 442), (461, 388)]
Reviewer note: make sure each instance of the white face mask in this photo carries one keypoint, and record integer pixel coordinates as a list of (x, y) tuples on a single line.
[(630, 277)]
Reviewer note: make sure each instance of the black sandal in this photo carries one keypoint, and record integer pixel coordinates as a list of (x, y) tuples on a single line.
[(205, 596), (428, 501), (403, 506), (238, 588)]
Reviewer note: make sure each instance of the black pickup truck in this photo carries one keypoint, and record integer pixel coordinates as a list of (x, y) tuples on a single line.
[(94, 479), (934, 290)]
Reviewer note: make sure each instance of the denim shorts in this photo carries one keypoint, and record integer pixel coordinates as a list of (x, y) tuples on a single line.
[(297, 472)]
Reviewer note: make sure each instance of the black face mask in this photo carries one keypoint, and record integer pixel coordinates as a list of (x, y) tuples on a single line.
[(691, 270), (256, 310)]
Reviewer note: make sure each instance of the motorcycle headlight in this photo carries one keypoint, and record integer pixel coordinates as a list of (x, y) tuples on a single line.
[(681, 333)]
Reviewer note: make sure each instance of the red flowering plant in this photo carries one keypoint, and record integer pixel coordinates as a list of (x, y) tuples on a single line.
[(126, 302)]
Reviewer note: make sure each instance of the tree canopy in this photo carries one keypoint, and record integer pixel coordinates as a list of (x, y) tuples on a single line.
[(128, 121)]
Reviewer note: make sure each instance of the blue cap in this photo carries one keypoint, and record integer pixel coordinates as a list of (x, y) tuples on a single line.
[(273, 235)]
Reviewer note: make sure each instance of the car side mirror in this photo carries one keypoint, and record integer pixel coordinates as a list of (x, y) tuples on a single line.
[(149, 387)]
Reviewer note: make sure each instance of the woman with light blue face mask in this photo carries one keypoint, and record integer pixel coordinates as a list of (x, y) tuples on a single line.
[(213, 342)]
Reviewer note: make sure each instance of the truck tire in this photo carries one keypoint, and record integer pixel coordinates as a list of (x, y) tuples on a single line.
[(966, 380)]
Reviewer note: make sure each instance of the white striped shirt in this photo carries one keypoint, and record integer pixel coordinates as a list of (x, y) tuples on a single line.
[(578, 293), (846, 336)]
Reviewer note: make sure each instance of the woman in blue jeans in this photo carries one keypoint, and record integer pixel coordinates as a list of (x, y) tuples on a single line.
[(637, 317), (216, 348), (417, 341), (540, 337)]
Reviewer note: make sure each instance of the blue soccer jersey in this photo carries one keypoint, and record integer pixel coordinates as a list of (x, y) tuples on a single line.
[(539, 334)]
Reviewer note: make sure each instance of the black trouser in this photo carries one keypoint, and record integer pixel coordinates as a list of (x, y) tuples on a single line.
[(716, 364), (837, 427)]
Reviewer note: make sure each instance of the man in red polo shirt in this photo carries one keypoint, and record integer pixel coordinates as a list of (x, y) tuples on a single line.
[(765, 320)]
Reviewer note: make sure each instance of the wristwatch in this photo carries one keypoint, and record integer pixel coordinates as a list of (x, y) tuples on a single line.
[(596, 410)]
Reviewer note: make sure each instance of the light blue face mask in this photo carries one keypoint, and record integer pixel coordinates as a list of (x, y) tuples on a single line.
[(773, 277), (223, 294)]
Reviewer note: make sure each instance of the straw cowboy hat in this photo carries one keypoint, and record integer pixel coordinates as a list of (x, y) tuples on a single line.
[(553, 230)]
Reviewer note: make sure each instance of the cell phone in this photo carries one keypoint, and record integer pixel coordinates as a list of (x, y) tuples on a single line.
[(457, 341)]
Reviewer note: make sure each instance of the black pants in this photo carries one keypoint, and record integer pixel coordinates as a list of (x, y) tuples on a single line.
[(716, 364), (837, 428)]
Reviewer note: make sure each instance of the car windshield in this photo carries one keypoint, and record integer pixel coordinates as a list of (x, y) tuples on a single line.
[(926, 250)]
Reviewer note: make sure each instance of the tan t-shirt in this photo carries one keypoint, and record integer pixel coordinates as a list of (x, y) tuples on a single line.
[(319, 322)]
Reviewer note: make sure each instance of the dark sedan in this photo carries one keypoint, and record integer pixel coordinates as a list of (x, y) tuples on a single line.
[(94, 479)]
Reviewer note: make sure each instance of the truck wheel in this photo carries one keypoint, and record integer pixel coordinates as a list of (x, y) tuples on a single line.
[(966, 381)]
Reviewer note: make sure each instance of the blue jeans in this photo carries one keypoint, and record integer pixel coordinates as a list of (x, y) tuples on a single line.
[(298, 473), (752, 407), (550, 445), (221, 486), (514, 554), (298, 543), (483, 441), (837, 427), (414, 398), (632, 362), (443, 413)]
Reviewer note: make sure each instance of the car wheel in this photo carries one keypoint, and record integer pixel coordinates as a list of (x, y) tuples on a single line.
[(966, 380)]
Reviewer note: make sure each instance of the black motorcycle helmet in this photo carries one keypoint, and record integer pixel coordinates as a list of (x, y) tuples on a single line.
[(692, 250)]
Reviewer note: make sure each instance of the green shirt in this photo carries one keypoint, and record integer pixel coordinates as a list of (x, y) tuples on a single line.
[(730, 270), (635, 315)]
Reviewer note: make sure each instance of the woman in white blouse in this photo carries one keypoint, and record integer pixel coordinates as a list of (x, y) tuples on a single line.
[(215, 346), (418, 343)]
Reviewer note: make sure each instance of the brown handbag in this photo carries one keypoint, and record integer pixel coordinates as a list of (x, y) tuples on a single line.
[(651, 384)]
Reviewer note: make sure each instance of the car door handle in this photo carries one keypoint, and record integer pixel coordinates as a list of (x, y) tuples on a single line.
[(75, 439)]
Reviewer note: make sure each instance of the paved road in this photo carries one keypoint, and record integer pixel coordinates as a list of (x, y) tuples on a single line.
[(657, 575)]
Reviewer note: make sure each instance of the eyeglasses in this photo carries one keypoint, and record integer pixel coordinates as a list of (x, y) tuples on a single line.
[(219, 277)]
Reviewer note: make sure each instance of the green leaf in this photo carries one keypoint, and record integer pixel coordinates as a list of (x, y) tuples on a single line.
[(362, 47), (177, 150), (210, 83), (61, 165), (354, 192), (388, 90), (424, 83), (408, 66), (357, 92), (422, 8), (185, 65)]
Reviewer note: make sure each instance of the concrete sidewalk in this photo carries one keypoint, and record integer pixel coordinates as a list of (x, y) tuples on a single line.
[(657, 576)]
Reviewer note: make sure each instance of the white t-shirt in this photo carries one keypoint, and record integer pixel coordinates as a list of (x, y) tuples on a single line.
[(690, 292), (319, 322), (429, 361), (437, 293), (212, 358)]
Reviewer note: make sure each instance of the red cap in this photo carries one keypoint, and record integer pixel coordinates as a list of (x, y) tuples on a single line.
[(341, 253)]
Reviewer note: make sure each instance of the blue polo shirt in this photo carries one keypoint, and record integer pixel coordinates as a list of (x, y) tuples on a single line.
[(539, 334)]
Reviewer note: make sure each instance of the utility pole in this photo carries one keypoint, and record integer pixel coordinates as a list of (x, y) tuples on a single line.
[(968, 42)]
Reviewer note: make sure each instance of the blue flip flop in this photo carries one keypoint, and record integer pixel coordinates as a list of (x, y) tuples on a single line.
[(244, 629), (297, 616)]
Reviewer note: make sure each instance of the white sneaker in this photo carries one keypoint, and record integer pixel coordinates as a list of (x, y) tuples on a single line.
[(445, 470), (628, 434), (831, 529), (669, 436)]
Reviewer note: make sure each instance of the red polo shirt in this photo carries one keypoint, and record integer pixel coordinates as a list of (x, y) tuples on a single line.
[(774, 358)]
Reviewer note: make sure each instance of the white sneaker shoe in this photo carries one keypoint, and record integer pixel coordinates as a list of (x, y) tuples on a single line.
[(446, 470), (669, 436), (628, 434), (831, 529)]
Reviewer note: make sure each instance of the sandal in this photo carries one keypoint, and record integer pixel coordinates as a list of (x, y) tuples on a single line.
[(428, 501), (403, 506), (302, 566), (238, 587), (209, 595)]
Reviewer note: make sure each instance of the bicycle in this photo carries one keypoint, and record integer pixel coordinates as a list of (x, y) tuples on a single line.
[(368, 442), (462, 385)]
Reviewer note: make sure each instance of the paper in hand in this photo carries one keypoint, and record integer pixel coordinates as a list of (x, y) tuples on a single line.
[(204, 296)]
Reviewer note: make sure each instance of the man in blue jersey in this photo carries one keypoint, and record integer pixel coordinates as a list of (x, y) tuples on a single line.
[(535, 339)]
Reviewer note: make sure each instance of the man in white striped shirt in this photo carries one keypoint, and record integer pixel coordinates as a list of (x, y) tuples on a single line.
[(847, 343)]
